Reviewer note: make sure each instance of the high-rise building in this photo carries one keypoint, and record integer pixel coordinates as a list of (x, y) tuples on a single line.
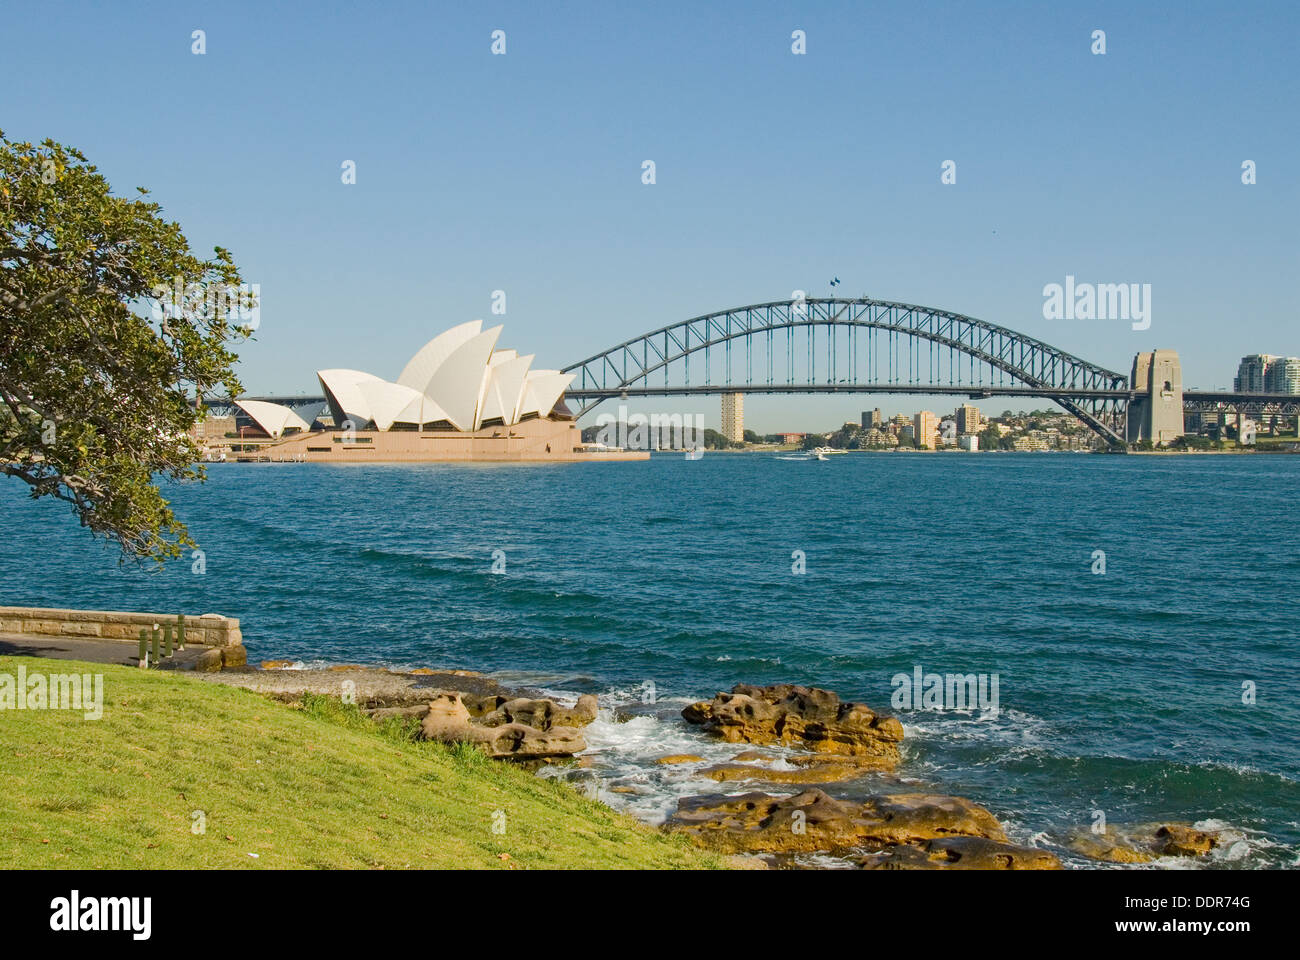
[(1252, 373), (733, 416), (872, 418), (1283, 376), (968, 418), (926, 428)]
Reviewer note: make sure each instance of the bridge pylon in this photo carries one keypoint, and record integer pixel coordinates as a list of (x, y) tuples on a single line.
[(1156, 411)]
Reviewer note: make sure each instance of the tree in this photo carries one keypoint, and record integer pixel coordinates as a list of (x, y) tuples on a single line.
[(752, 437), (109, 327)]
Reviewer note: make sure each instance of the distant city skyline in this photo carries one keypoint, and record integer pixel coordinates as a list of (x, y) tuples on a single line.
[(774, 171)]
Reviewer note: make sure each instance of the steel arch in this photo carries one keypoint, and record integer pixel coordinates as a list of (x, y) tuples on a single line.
[(1095, 395)]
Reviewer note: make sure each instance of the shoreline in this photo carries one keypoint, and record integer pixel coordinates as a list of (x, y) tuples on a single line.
[(698, 770), (682, 766)]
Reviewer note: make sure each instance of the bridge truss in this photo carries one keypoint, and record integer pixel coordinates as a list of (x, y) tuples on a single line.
[(869, 346)]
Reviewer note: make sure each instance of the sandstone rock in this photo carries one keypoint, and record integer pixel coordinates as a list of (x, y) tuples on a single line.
[(761, 823), (803, 716), (812, 820), (823, 768), (1144, 843), (585, 710), (673, 758), (209, 661), (276, 664), (482, 704), (743, 861), (1179, 840), (907, 817), (540, 714), (961, 853), (448, 720), (1108, 847), (751, 756), (516, 741), (234, 655)]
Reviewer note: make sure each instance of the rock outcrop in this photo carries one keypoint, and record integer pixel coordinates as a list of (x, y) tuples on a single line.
[(811, 768), (799, 716), (961, 853), (813, 820), (1144, 843), (448, 720), (1181, 840), (538, 714)]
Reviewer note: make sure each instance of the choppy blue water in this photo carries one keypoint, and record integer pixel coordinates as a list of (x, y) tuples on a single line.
[(1119, 692)]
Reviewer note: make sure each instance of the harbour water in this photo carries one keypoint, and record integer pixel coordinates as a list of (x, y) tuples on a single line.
[(1119, 692)]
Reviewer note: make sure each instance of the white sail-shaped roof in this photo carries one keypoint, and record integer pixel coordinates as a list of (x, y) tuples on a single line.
[(386, 401), (459, 377), (345, 398), (421, 410), (505, 380), (272, 418), (542, 390), (457, 385), (420, 369)]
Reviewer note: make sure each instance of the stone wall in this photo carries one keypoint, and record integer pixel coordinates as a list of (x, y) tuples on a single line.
[(209, 628)]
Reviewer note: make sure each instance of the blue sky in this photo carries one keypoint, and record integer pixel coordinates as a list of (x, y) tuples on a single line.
[(775, 172)]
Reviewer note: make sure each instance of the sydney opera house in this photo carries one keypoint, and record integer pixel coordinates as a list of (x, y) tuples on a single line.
[(458, 398)]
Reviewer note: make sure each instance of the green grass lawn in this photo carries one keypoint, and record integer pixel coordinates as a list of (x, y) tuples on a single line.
[(311, 785)]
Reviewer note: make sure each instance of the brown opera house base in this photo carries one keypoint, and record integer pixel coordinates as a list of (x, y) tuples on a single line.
[(537, 440)]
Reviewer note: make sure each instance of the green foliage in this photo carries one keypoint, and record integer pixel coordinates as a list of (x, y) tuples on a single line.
[(96, 374), (847, 437)]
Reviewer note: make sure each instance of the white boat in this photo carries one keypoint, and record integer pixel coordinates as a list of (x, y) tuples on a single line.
[(819, 453)]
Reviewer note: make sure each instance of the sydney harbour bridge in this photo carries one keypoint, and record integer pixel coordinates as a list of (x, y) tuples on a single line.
[(875, 346), (868, 346)]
